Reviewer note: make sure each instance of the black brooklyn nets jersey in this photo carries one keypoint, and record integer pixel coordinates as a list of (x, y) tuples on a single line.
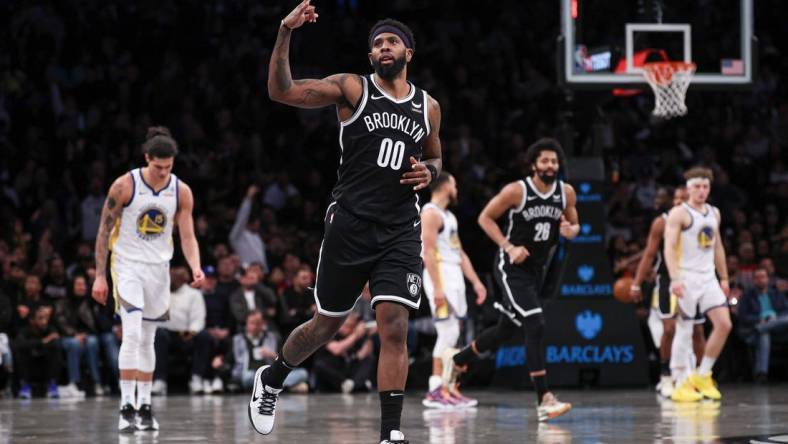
[(377, 143), (535, 224)]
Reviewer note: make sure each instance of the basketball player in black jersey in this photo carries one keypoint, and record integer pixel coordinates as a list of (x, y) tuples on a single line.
[(537, 209), (662, 299), (388, 136)]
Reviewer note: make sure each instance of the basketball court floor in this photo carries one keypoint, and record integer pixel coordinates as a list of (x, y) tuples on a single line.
[(747, 414)]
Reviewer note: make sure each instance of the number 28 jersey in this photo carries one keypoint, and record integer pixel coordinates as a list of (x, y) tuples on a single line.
[(377, 142), (535, 223)]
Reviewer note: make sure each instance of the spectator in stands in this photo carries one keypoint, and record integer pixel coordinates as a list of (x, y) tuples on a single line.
[(31, 300), (55, 283), (215, 342), (75, 321), (245, 234), (252, 295), (763, 315), (90, 209), (297, 303), (175, 338), (345, 364), (37, 351), (257, 345)]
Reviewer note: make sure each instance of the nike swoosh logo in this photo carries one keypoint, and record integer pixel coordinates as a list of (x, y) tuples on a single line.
[(530, 198), (416, 105), (373, 97), (396, 394), (416, 224)]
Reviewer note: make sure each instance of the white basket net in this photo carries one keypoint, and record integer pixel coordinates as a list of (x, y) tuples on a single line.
[(670, 81)]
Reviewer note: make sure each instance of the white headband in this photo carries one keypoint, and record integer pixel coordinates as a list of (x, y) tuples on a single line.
[(697, 180)]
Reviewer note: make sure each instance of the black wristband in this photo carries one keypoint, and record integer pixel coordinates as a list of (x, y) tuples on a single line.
[(433, 171)]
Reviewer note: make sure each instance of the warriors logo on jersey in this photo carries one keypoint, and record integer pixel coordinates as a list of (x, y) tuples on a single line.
[(151, 223), (706, 237), (454, 239)]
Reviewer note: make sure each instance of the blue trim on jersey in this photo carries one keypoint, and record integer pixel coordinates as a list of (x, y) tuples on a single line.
[(155, 193), (133, 189), (154, 320), (133, 309)]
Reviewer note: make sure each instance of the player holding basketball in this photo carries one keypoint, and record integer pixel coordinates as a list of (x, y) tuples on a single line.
[(693, 251), (141, 210), (372, 227), (662, 300), (445, 264), (539, 208)]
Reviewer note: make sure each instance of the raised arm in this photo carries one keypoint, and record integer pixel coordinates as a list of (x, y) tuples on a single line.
[(119, 194), (511, 196), (431, 159), (191, 251), (338, 89), (655, 234)]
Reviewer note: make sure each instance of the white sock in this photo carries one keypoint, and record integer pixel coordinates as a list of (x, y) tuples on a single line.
[(435, 382), (127, 387), (706, 365), (143, 392)]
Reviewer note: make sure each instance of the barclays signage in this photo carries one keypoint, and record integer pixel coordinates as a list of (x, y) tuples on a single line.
[(587, 235), (588, 286), (587, 193), (588, 325)]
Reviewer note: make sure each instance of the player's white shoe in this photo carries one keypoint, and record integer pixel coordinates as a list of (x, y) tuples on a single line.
[(665, 386), (395, 437), (145, 420), (551, 407), (127, 422), (262, 406)]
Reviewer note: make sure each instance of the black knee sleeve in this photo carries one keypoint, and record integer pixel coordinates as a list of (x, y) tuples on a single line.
[(534, 347), (494, 336)]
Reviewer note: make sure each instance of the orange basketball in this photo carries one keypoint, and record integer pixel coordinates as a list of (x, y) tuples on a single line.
[(621, 290)]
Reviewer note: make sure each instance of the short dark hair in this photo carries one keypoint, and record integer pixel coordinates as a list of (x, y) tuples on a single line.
[(159, 143), (395, 23), (442, 178), (544, 144)]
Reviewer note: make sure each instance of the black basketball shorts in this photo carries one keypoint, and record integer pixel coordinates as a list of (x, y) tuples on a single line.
[(356, 251), (520, 286)]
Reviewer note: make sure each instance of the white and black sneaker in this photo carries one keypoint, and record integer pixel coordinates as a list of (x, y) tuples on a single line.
[(128, 419), (262, 406), (145, 420), (395, 437)]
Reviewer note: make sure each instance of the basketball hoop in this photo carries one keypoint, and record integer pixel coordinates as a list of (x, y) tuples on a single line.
[(670, 81)]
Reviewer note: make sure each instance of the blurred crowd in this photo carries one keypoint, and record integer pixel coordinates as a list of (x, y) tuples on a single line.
[(80, 81)]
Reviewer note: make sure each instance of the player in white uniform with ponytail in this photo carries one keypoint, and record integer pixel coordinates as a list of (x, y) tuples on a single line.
[(446, 264), (141, 210), (693, 252)]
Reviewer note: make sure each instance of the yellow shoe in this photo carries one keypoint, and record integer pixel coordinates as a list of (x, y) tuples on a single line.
[(685, 392), (705, 385)]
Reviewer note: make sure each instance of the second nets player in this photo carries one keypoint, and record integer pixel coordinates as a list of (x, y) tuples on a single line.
[(388, 136), (537, 210)]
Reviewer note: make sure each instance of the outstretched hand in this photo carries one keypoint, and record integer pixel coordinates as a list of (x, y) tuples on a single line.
[(302, 13), (419, 175)]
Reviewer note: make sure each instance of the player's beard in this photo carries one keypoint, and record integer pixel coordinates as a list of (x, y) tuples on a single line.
[(548, 179), (391, 71)]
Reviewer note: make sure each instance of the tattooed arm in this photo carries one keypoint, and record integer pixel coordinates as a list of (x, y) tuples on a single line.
[(119, 194), (342, 90)]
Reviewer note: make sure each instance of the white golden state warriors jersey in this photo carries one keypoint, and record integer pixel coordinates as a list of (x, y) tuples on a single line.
[(697, 241), (448, 243), (144, 231)]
